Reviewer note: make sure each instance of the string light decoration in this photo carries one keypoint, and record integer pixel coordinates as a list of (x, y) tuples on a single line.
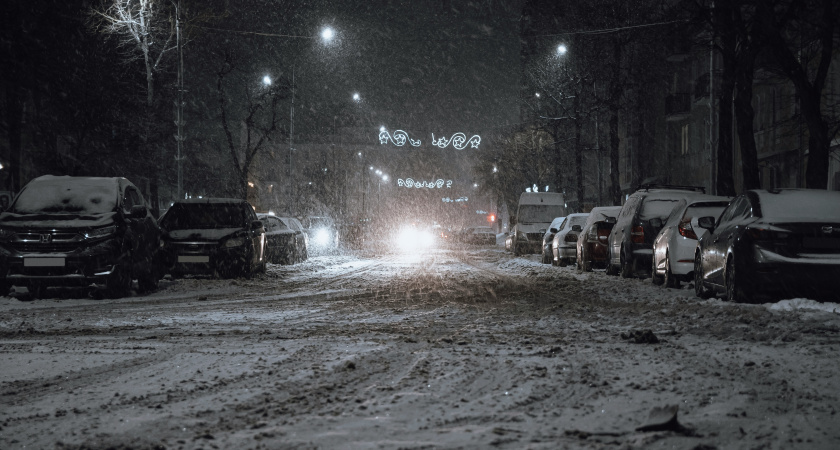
[(458, 140), (457, 200), (410, 183), (399, 138)]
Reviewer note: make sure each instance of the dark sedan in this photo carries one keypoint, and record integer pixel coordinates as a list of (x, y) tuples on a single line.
[(286, 243), (779, 243), (212, 236)]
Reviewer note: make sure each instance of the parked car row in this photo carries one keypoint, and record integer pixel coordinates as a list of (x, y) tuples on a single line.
[(83, 231), (762, 244)]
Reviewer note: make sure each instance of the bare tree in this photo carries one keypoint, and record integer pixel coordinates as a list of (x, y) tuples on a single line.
[(255, 111)]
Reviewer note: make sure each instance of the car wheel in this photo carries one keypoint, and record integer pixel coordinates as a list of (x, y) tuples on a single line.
[(147, 280), (516, 250), (654, 277), (734, 288), (700, 289), (626, 268), (5, 287), (562, 262), (610, 269), (671, 280), (119, 283), (545, 258), (304, 254)]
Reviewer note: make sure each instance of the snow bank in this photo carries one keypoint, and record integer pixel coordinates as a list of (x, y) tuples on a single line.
[(796, 304)]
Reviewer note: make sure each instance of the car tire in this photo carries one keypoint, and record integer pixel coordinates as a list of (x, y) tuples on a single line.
[(654, 277), (516, 250), (36, 290), (304, 255), (700, 289), (119, 283), (147, 280), (670, 279), (626, 267), (5, 288), (562, 262), (734, 288), (546, 259)]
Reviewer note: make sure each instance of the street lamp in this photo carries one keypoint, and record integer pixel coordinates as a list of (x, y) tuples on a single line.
[(561, 49), (327, 34), (356, 97), (266, 80)]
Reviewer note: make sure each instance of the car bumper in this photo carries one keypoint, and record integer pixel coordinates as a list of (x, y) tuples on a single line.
[(208, 259), (82, 267), (794, 277)]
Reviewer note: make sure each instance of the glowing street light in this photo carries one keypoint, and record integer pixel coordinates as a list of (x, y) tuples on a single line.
[(382, 128), (384, 177), (356, 96), (538, 95), (266, 80), (327, 34), (561, 49)]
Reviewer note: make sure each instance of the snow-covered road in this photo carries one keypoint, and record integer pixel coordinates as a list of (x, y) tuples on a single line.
[(455, 348)]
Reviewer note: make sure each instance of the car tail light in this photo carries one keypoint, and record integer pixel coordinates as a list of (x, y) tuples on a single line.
[(603, 234), (637, 235), (570, 238), (686, 230), (764, 234), (592, 234)]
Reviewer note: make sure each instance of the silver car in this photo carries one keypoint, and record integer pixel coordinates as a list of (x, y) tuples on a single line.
[(564, 245), (675, 245)]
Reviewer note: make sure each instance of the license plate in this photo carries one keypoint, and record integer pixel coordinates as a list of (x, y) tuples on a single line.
[(193, 259), (43, 262)]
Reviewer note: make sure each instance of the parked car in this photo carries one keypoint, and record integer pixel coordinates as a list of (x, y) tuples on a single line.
[(212, 236), (564, 244), (78, 231), (674, 246), (638, 223), (285, 241), (548, 237), (593, 237), (534, 214), (322, 232), (481, 236), (777, 243)]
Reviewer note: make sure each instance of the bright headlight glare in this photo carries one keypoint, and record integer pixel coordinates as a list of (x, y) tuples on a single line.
[(235, 242), (412, 239), (101, 232), (322, 237)]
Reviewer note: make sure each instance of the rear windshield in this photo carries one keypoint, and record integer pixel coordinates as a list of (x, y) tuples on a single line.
[(801, 204), (696, 212), (657, 208), (539, 213), (84, 196), (188, 216)]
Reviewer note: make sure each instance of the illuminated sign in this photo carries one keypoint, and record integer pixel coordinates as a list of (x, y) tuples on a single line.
[(409, 183), (399, 138), (458, 140), (459, 199)]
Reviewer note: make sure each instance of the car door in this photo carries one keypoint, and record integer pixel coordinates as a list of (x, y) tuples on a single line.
[(257, 235), (142, 231), (619, 231), (721, 239), (271, 237)]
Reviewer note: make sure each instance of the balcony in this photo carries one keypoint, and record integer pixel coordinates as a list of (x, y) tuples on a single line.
[(678, 106)]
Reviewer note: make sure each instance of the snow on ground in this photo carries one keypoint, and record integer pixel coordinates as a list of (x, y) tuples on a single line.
[(465, 347)]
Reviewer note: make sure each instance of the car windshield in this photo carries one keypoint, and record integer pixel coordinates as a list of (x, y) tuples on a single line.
[(183, 216), (695, 212), (60, 195), (539, 213)]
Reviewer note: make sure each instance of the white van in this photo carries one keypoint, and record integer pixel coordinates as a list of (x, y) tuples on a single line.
[(534, 214)]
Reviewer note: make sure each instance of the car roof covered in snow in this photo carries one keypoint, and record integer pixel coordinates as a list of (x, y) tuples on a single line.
[(799, 204)]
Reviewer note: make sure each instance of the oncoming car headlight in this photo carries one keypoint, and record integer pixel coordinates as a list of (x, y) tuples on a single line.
[(411, 238), (235, 242), (322, 237)]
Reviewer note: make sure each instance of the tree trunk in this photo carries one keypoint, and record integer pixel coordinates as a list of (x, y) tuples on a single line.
[(724, 181), (819, 145), (578, 159), (744, 115), (614, 101), (14, 119)]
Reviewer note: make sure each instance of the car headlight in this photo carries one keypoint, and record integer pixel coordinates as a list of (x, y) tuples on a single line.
[(235, 242), (101, 232), (322, 237)]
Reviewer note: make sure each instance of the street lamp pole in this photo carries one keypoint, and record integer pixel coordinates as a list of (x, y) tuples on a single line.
[(180, 107), (291, 140)]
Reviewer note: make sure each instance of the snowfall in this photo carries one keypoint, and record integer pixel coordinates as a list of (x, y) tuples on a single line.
[(462, 347)]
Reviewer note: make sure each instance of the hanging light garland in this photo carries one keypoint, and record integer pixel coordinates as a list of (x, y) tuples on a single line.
[(410, 183), (458, 140), (399, 138)]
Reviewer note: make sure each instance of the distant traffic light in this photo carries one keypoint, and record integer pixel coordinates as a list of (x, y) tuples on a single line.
[(491, 218)]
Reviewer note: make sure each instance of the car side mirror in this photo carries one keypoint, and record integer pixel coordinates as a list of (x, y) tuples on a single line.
[(656, 222), (553, 230), (707, 222), (137, 212), (257, 225), (576, 228), (298, 232), (512, 220), (610, 220)]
